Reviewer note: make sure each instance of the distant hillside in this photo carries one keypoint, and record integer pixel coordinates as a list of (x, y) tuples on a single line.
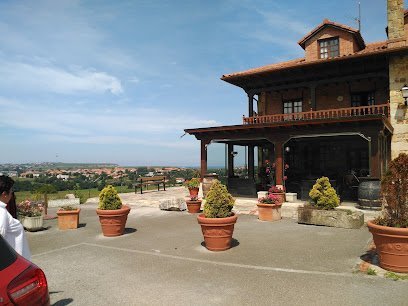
[(46, 166)]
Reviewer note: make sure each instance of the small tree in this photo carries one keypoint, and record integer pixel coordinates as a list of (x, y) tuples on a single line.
[(109, 199), (394, 189), (219, 201), (323, 195)]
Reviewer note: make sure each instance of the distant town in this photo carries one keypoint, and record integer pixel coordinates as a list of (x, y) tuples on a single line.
[(31, 178)]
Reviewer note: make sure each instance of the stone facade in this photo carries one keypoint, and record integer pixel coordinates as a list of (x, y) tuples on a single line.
[(398, 77)]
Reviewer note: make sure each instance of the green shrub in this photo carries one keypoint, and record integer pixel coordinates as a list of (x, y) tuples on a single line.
[(394, 188), (323, 194), (109, 199), (219, 201)]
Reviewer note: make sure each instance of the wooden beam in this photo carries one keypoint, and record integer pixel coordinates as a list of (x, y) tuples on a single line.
[(326, 80)]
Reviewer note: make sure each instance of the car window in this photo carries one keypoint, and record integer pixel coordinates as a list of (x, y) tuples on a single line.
[(7, 254)]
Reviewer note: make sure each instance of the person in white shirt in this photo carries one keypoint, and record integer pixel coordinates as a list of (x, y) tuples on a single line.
[(11, 229)]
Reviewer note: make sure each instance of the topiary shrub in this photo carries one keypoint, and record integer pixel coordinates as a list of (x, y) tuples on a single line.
[(109, 199), (394, 189), (323, 195), (219, 201)]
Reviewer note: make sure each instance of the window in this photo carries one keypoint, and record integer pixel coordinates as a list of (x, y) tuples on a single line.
[(363, 99), (329, 48), (290, 107)]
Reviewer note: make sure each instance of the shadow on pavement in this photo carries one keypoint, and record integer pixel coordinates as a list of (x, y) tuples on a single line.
[(63, 302), (129, 230), (234, 243)]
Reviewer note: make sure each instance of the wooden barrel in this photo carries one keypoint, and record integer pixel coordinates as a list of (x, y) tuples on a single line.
[(207, 182), (369, 194)]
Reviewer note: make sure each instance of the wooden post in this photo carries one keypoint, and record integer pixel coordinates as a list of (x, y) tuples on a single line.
[(230, 159), (251, 160), (279, 162), (203, 167), (313, 96), (374, 157), (250, 105)]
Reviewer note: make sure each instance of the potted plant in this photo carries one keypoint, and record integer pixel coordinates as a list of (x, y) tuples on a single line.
[(217, 222), (68, 217), (390, 229), (30, 215), (193, 186), (279, 192), (269, 208), (322, 208), (112, 214), (193, 205)]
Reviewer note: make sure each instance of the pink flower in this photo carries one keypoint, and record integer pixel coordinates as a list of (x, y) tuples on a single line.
[(273, 165), (285, 178), (286, 166)]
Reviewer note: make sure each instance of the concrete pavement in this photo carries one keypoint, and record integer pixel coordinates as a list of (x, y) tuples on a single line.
[(161, 261)]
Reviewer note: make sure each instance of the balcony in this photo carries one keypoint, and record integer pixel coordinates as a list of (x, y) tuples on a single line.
[(381, 110)]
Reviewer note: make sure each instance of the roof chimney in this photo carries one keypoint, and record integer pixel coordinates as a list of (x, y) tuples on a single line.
[(395, 16)]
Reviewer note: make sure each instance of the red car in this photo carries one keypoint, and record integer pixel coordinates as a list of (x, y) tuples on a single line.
[(21, 281)]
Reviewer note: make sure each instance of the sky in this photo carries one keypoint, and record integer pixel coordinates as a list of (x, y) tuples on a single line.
[(119, 81)]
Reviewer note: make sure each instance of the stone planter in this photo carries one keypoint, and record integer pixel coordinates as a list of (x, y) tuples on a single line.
[(68, 219), (269, 212), (32, 223), (335, 218), (291, 197)]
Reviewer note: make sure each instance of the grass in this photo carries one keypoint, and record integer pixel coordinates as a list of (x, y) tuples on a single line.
[(371, 271), (394, 276), (81, 193)]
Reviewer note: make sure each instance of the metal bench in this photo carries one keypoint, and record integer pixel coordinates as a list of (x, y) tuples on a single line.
[(152, 180)]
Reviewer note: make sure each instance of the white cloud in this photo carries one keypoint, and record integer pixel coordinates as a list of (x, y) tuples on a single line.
[(112, 125), (46, 78)]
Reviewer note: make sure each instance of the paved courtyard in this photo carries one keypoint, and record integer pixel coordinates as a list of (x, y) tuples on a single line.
[(161, 260)]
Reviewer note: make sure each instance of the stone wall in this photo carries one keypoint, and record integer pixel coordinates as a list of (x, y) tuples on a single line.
[(398, 72), (63, 202), (399, 112)]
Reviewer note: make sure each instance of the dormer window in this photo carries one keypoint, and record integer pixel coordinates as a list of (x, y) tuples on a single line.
[(329, 48)]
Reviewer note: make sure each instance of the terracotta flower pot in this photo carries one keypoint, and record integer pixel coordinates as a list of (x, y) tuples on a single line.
[(392, 246), (280, 195), (193, 192), (113, 221), (269, 212), (193, 207), (68, 219), (217, 232)]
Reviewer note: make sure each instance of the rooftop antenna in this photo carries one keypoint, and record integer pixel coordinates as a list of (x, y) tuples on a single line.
[(358, 19)]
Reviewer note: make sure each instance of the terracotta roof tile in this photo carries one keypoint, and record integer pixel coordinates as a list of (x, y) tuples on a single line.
[(371, 48), (271, 67), (327, 22)]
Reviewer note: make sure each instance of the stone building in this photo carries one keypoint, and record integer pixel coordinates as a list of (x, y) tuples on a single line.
[(337, 111)]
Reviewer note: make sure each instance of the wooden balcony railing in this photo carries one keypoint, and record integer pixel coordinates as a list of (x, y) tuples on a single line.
[(349, 112)]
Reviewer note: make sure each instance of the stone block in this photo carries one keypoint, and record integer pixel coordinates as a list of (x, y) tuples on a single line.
[(262, 194), (174, 204), (64, 202), (291, 197), (335, 218)]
